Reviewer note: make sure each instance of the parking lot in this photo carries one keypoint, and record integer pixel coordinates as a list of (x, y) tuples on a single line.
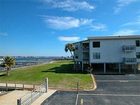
[(111, 90)]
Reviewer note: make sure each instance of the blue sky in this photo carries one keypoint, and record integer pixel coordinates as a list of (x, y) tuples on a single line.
[(43, 27)]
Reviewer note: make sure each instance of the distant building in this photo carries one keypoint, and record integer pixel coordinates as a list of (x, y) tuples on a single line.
[(1, 60), (108, 54)]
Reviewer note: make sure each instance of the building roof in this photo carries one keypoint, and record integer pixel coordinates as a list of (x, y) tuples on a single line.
[(114, 37), (83, 41)]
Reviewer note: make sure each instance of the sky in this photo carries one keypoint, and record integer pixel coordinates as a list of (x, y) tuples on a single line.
[(43, 27)]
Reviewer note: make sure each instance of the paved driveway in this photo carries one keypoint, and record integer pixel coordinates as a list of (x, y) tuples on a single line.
[(111, 90)]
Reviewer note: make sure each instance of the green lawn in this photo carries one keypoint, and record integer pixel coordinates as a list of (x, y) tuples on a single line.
[(60, 75)]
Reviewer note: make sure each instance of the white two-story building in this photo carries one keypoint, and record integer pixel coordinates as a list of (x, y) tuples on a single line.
[(109, 54)]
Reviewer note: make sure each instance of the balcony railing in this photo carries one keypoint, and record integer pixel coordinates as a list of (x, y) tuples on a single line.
[(128, 48), (129, 60), (85, 49), (85, 59)]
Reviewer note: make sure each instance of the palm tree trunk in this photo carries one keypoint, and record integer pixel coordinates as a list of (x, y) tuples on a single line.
[(74, 67), (7, 71)]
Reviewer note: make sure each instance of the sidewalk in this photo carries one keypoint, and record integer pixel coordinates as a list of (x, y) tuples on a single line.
[(43, 97), (11, 97)]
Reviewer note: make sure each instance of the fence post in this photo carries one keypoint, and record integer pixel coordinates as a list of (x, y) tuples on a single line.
[(77, 87), (6, 86), (23, 86), (19, 101), (46, 84), (33, 87), (15, 86)]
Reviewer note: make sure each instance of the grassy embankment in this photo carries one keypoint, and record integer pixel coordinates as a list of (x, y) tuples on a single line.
[(60, 75)]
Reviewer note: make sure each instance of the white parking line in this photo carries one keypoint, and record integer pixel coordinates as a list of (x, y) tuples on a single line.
[(117, 80), (123, 80), (120, 95), (76, 100)]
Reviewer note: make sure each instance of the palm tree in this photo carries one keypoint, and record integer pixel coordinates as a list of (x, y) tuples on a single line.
[(8, 63), (71, 48)]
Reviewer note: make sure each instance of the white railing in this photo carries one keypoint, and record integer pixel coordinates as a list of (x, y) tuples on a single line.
[(129, 60), (128, 48), (29, 98)]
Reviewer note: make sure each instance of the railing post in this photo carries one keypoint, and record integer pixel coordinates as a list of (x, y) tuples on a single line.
[(15, 86), (19, 101), (31, 97), (23, 86), (46, 84), (6, 86), (33, 87)]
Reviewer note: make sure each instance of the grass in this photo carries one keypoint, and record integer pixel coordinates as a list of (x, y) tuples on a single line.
[(60, 75)]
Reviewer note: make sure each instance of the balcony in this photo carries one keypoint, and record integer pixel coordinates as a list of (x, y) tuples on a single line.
[(128, 48), (129, 60), (85, 47), (85, 60), (85, 57)]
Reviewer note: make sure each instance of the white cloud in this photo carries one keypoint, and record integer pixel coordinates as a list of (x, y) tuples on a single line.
[(3, 34), (134, 22), (69, 5), (65, 22), (71, 38), (98, 27), (123, 3), (126, 32), (84, 38)]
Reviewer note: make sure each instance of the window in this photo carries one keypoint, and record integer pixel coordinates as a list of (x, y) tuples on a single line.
[(76, 57), (76, 47), (138, 55), (96, 55), (138, 43), (96, 44)]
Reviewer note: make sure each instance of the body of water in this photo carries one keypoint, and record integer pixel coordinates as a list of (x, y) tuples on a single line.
[(29, 61)]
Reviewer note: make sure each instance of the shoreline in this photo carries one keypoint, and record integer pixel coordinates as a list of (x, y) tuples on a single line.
[(22, 67), (33, 65)]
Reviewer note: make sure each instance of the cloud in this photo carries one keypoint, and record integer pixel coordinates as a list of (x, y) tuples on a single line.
[(62, 23), (126, 32), (123, 3), (133, 23), (71, 38), (69, 5), (98, 27), (3, 34)]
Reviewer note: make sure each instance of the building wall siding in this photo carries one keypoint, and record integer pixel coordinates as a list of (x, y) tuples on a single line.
[(111, 51)]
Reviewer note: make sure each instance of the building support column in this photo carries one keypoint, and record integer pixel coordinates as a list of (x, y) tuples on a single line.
[(134, 67), (119, 68), (104, 68), (82, 66)]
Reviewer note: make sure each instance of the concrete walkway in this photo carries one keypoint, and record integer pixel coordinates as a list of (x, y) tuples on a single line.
[(11, 97), (43, 97)]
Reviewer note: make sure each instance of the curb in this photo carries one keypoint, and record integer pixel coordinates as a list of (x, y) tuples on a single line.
[(94, 81)]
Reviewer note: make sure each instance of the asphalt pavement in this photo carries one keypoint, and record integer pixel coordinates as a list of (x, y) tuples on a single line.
[(111, 90)]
